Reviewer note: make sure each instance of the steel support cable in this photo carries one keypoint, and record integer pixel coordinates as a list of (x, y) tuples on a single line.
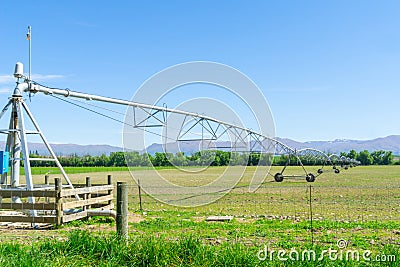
[(117, 120), (36, 87), (96, 106), (71, 101), (67, 92), (107, 116), (120, 113), (111, 118), (114, 119)]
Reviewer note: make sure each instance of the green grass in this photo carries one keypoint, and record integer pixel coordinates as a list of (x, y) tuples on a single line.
[(81, 248), (73, 170), (83, 170)]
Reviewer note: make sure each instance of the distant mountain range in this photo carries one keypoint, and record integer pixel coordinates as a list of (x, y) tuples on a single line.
[(389, 143), (69, 149)]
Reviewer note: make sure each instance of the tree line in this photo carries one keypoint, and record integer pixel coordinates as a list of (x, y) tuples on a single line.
[(379, 157), (204, 158)]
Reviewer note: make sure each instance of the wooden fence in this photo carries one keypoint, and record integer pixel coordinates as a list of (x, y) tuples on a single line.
[(55, 205)]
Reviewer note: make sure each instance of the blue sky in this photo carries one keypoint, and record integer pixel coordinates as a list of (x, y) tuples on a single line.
[(328, 69)]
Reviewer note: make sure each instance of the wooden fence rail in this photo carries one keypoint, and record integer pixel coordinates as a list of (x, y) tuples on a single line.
[(55, 205)]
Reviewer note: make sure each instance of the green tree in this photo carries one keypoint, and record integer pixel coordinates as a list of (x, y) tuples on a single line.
[(352, 154), (265, 159), (102, 161), (146, 160), (254, 159), (161, 159), (387, 158), (133, 158), (377, 156), (179, 159), (117, 159), (239, 159), (365, 158), (224, 157)]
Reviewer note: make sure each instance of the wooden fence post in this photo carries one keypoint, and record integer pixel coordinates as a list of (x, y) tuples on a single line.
[(109, 182), (59, 211), (46, 182), (140, 195), (122, 210), (88, 195)]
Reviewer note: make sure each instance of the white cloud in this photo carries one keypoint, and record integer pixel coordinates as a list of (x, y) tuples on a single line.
[(5, 90), (47, 77), (9, 79), (6, 79), (7, 82)]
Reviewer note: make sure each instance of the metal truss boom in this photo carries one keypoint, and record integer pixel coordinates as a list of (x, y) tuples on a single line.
[(212, 129), (152, 111)]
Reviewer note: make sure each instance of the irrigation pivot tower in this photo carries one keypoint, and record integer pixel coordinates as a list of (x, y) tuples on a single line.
[(17, 143)]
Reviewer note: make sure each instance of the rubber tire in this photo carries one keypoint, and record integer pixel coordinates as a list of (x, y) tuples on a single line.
[(337, 171), (310, 177), (278, 177), (320, 171)]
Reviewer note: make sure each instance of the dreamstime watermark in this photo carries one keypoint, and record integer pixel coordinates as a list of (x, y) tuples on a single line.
[(340, 253), (196, 106)]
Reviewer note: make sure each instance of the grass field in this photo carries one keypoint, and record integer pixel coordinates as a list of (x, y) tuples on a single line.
[(358, 194), (360, 206)]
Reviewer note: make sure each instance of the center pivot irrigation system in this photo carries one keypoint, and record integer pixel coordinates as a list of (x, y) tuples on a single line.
[(212, 130)]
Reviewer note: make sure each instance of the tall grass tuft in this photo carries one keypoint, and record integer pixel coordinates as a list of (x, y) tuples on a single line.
[(82, 248)]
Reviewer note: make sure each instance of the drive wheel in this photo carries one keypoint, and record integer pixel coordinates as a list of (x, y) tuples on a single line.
[(278, 177), (310, 177)]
